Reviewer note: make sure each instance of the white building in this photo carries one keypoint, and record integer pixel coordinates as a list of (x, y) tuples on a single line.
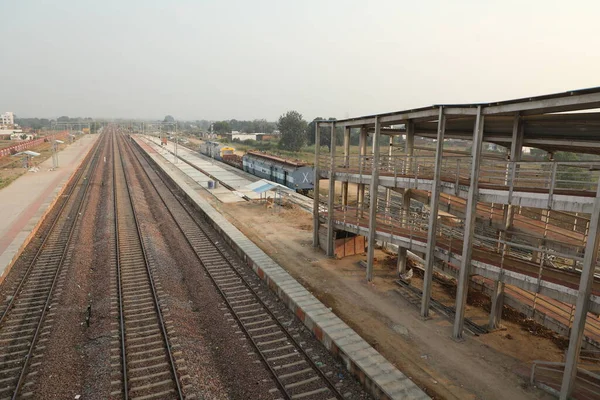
[(7, 119), (241, 136)]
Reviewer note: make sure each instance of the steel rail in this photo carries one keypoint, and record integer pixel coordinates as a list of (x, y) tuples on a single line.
[(93, 164), (152, 286), (279, 383), (41, 247), (118, 257)]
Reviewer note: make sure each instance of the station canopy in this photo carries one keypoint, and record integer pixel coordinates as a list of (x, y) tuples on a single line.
[(264, 185), (28, 153)]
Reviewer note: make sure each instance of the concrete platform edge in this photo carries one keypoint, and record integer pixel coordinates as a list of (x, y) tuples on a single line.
[(39, 217), (382, 380)]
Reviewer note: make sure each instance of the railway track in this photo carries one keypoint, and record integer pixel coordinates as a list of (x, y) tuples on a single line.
[(28, 312), (295, 373), (143, 357)]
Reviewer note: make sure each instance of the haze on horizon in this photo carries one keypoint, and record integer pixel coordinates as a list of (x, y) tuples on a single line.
[(257, 59)]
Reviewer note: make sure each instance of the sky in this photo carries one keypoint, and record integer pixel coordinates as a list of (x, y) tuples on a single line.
[(258, 59)]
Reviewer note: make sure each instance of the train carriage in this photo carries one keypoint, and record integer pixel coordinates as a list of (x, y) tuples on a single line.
[(296, 175)]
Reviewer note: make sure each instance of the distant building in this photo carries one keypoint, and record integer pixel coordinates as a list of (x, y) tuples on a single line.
[(236, 135), (7, 120), (264, 136)]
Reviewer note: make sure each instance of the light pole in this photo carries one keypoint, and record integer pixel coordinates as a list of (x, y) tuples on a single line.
[(176, 143), (55, 145)]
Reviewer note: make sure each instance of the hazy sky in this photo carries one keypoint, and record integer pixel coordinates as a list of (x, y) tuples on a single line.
[(257, 59)]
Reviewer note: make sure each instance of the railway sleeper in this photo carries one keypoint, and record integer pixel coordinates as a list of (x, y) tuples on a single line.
[(132, 320), (252, 317), (275, 350), (152, 396), (157, 335), (144, 330), (144, 353), (145, 344), (264, 321), (138, 303), (17, 333), (164, 365)]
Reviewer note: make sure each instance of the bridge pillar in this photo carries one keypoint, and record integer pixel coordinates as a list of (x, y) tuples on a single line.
[(433, 217), (346, 165), (316, 181), (583, 298), (373, 190), (465, 265), (331, 196)]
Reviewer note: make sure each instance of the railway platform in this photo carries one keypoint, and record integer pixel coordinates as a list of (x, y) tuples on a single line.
[(232, 186), (378, 375), (27, 200)]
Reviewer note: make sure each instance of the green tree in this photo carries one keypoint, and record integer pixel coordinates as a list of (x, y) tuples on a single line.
[(325, 134), (169, 118), (310, 131), (221, 127), (293, 131)]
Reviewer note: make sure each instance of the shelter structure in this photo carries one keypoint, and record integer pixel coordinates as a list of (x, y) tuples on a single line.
[(263, 187), (529, 223), (27, 157)]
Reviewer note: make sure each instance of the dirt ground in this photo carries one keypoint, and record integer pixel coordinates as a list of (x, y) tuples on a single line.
[(11, 167), (483, 367)]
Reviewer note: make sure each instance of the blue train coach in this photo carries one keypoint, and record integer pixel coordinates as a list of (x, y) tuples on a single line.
[(296, 175)]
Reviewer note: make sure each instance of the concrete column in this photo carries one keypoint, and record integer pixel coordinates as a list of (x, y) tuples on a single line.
[(409, 145), (471, 213), (346, 164), (316, 181), (434, 206), (583, 298), (497, 305), (516, 145), (402, 260), (406, 204), (373, 189), (508, 219), (331, 197), (409, 148), (516, 154), (388, 191), (363, 152)]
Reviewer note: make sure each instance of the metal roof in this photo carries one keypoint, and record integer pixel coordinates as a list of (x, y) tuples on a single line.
[(581, 99), (579, 132), (28, 152), (264, 186)]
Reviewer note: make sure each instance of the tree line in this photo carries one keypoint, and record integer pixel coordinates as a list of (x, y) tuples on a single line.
[(296, 132), (254, 126)]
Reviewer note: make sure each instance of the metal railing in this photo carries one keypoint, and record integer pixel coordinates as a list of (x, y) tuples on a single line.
[(547, 176), (535, 250), (548, 376)]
